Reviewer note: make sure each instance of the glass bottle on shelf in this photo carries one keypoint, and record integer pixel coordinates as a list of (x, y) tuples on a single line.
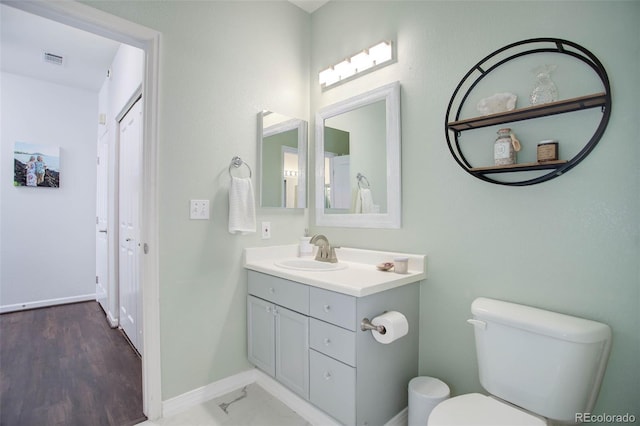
[(504, 150), (545, 90)]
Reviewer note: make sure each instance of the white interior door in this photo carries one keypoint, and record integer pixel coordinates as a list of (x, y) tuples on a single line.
[(129, 183), (340, 182), (290, 170), (102, 241)]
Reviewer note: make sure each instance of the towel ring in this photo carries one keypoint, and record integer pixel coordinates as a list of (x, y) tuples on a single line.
[(360, 178), (237, 162)]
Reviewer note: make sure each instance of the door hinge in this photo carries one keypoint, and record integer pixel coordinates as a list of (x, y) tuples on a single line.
[(97, 280)]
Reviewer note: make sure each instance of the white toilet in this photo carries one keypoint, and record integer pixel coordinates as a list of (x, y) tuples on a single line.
[(540, 367)]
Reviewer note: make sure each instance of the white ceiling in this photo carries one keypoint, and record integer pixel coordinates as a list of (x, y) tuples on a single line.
[(309, 5), (24, 38)]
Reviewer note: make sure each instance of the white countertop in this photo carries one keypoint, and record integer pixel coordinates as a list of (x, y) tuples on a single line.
[(360, 278)]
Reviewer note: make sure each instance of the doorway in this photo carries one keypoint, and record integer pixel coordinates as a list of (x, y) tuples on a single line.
[(101, 23)]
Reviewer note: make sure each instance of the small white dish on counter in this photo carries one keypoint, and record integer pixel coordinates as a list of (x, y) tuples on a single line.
[(386, 266)]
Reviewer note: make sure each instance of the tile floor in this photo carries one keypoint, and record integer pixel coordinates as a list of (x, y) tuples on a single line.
[(248, 406)]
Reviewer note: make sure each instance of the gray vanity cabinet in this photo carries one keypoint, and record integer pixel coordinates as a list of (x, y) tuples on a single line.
[(350, 376)]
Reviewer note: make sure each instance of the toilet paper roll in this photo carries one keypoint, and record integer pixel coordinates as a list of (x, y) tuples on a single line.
[(395, 324)]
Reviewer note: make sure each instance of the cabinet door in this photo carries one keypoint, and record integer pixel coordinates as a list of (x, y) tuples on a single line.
[(261, 334), (292, 350)]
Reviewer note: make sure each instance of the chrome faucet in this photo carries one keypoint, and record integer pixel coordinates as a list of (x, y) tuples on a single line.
[(326, 253)]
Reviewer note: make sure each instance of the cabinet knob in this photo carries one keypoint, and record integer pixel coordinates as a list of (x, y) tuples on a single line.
[(272, 290), (327, 341), (326, 308), (327, 375), (268, 309)]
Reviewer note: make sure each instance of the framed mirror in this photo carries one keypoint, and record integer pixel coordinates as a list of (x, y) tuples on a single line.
[(282, 151), (358, 161)]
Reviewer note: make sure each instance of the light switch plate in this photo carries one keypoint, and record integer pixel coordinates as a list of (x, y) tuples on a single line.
[(199, 210)]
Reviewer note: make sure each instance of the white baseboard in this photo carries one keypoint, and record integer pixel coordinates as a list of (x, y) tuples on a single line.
[(113, 321), (208, 392), (213, 390), (400, 419), (44, 303)]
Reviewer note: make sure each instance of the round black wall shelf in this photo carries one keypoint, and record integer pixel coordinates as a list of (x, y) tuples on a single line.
[(454, 126)]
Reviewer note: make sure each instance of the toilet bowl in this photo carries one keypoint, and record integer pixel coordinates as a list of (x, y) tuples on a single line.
[(538, 366)]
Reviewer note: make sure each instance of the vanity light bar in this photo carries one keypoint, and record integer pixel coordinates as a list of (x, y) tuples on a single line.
[(367, 60)]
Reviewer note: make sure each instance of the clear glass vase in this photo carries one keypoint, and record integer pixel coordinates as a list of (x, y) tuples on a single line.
[(545, 90)]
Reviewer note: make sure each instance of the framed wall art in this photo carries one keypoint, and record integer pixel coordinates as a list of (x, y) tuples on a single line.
[(36, 165)]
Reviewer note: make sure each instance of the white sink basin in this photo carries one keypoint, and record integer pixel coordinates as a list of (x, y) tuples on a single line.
[(309, 265)]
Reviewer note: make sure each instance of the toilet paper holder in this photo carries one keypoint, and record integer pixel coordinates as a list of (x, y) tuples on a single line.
[(365, 325)]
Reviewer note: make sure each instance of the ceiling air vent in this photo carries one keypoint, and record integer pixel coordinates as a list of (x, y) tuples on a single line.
[(51, 58)]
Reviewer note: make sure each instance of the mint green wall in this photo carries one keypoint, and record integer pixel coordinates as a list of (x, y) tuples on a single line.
[(220, 64), (570, 244)]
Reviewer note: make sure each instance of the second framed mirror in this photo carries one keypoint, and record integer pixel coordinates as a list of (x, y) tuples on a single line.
[(282, 147)]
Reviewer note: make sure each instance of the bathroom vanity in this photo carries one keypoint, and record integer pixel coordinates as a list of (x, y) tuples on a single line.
[(304, 329)]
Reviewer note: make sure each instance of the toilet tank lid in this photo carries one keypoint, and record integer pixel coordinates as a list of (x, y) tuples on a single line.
[(553, 324)]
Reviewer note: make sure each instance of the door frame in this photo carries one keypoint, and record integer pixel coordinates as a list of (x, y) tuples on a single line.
[(89, 19)]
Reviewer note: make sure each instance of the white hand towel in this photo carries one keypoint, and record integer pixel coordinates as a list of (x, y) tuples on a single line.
[(364, 201), (242, 209)]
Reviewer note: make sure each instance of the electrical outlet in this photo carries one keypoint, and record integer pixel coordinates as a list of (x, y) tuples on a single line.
[(266, 230), (199, 210)]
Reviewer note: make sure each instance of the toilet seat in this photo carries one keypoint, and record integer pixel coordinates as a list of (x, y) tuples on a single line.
[(480, 410)]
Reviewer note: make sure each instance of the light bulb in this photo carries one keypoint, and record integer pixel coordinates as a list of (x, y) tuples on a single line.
[(381, 52), (362, 61)]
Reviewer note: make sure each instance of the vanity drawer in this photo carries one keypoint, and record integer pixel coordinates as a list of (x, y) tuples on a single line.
[(334, 341), (332, 387), (332, 307), (289, 294)]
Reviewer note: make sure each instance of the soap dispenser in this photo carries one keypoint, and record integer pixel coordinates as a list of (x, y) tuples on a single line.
[(306, 248)]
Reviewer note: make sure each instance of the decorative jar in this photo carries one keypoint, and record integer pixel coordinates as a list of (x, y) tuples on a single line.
[(504, 152)]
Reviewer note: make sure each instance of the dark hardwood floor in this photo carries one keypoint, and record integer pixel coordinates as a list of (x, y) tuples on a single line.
[(63, 365)]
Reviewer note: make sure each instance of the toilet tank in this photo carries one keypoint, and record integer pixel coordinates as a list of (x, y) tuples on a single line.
[(548, 363)]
